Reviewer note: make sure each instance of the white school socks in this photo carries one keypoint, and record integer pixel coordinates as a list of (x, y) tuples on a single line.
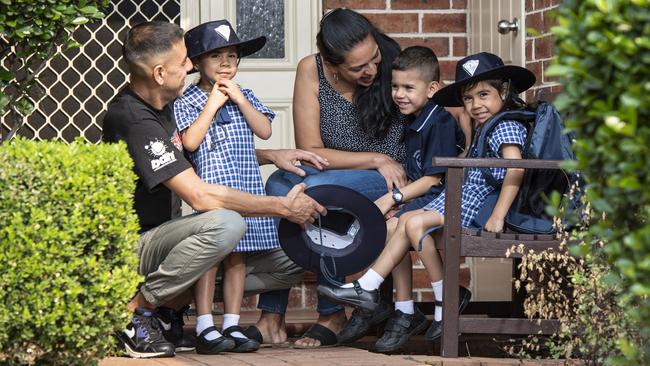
[(437, 293), (230, 320), (405, 307), (203, 322), (370, 280)]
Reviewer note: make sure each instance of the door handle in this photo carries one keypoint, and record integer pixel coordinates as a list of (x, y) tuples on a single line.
[(504, 26)]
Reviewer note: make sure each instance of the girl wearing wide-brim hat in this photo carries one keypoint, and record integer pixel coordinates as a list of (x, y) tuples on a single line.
[(484, 86), (218, 121)]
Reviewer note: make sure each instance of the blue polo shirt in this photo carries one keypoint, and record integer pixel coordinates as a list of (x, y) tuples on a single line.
[(434, 132)]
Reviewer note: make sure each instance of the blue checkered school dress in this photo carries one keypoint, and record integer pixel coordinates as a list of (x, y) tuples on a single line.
[(475, 188), (226, 156)]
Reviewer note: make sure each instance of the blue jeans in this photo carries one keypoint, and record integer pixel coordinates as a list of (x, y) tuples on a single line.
[(367, 182)]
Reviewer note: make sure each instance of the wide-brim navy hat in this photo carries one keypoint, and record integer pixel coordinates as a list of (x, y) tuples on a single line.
[(218, 34), (482, 66), (348, 239)]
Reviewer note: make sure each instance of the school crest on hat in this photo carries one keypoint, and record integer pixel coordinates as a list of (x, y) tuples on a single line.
[(470, 66)]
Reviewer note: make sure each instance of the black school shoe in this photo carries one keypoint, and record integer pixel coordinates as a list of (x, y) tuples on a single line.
[(399, 329), (142, 337), (206, 347), (361, 321), (242, 345), (435, 329), (171, 322), (355, 296)]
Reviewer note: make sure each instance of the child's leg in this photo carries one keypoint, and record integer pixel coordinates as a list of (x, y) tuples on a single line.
[(204, 298), (415, 228), (233, 290), (403, 282), (390, 257)]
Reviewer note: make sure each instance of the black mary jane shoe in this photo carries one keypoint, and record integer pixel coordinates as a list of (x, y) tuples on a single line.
[(206, 347), (435, 329), (355, 296), (242, 345)]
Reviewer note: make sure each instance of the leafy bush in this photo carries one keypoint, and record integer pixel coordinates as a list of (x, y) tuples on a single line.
[(603, 61), (575, 291), (67, 258), (31, 33)]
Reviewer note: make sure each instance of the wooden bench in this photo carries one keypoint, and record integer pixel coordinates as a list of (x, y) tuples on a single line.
[(458, 242)]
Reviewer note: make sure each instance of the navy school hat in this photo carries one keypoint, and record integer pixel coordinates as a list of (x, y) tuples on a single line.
[(218, 34), (353, 233), (482, 66)]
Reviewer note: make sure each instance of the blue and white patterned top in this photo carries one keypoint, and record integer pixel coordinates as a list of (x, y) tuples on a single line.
[(475, 188), (226, 156)]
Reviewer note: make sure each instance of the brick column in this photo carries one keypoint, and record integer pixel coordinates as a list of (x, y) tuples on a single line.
[(540, 48)]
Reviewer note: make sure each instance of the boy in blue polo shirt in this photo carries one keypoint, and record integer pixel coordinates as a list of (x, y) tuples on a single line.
[(432, 132)]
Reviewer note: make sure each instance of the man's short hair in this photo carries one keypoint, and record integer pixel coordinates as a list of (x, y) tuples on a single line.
[(421, 58), (147, 40)]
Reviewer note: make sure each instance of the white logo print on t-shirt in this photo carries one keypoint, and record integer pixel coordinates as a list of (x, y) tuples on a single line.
[(158, 151)]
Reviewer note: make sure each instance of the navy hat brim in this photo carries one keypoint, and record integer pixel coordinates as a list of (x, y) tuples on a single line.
[(520, 78), (244, 48), (364, 246)]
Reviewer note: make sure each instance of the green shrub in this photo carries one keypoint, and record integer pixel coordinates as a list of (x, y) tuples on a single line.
[(604, 64), (67, 259)]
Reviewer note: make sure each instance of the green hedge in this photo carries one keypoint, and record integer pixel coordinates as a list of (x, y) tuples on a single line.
[(604, 64), (67, 260)]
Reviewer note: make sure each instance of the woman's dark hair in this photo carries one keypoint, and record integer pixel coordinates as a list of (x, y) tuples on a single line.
[(341, 30)]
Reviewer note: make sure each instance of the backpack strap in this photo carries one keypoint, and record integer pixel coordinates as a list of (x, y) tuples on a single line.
[(488, 127)]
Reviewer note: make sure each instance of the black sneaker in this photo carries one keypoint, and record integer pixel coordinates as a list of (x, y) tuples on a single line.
[(361, 321), (399, 328), (142, 337), (171, 322)]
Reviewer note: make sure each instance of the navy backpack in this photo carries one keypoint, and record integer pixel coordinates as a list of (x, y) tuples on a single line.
[(546, 139)]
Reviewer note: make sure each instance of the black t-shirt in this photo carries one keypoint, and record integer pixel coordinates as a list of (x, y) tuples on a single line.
[(156, 149)]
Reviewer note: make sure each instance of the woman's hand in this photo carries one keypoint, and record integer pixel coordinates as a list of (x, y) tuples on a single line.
[(392, 171), (286, 159), (495, 224)]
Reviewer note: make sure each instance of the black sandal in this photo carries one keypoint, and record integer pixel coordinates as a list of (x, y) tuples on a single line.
[(320, 333)]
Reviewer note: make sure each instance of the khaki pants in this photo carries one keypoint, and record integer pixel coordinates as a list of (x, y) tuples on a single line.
[(266, 270), (175, 254)]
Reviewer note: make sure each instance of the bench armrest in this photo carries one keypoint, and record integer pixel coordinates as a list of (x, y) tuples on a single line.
[(496, 163)]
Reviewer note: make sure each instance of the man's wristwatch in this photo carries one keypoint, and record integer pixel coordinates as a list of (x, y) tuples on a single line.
[(398, 197)]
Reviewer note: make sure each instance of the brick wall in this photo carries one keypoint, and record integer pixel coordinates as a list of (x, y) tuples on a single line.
[(540, 47), (438, 24)]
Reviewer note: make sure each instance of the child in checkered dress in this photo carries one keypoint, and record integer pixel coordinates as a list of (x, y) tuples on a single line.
[(218, 121), (484, 87)]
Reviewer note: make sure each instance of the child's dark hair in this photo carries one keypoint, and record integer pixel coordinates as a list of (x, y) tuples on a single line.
[(421, 58), (511, 100), (341, 30)]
